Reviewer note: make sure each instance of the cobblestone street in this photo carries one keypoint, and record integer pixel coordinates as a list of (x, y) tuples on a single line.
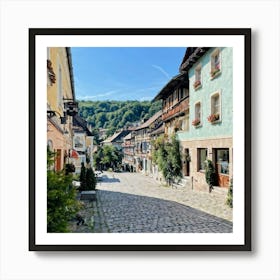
[(132, 202)]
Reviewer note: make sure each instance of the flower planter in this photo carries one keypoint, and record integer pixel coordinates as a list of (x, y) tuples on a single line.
[(213, 118), (197, 85), (215, 72), (196, 122)]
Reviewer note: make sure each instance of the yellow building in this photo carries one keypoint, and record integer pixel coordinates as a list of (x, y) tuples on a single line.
[(61, 105)]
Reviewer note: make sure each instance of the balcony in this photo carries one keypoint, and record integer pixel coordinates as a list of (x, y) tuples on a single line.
[(175, 110)]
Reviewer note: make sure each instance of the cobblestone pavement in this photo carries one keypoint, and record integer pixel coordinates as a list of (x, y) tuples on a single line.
[(132, 202)]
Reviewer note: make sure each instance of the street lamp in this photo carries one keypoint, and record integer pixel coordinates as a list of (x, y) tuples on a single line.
[(71, 107)]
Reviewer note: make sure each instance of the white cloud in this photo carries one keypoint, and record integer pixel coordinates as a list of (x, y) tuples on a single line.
[(161, 70), (146, 98), (100, 95)]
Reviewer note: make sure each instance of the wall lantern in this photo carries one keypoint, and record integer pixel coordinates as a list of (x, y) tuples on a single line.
[(63, 118), (71, 108)]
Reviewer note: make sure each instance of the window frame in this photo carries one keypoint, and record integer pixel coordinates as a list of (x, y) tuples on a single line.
[(197, 69), (196, 114), (215, 52), (212, 110), (199, 162), (217, 162)]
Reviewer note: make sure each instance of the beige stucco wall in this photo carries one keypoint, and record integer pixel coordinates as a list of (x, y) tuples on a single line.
[(199, 182), (58, 58), (59, 134)]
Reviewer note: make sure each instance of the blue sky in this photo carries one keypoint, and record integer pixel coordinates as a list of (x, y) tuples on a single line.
[(123, 73)]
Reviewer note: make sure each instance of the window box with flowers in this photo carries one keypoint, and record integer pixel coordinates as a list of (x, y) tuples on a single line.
[(196, 123), (215, 63), (215, 72), (214, 118), (197, 84)]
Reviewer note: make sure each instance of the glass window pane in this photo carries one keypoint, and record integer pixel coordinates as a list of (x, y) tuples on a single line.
[(222, 158), (202, 156)]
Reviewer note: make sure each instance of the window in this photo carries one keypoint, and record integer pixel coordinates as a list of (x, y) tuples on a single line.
[(215, 107), (197, 83), (215, 63), (202, 156), (50, 145), (198, 110), (175, 95), (222, 160), (197, 114), (186, 122), (215, 104)]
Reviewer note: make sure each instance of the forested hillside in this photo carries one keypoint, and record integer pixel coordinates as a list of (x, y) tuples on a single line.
[(114, 115)]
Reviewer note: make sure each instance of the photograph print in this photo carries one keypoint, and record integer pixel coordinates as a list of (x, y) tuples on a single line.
[(140, 139)]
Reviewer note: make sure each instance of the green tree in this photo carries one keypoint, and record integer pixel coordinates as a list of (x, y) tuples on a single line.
[(167, 156), (115, 114), (95, 133), (97, 158), (107, 157), (62, 205), (90, 179)]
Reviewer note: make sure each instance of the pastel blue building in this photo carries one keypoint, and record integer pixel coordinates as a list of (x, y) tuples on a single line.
[(209, 132)]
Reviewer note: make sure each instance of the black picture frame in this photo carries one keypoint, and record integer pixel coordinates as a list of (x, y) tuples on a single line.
[(245, 33)]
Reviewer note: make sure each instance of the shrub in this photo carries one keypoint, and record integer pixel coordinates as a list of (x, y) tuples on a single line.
[(90, 179), (62, 205), (229, 200), (210, 174)]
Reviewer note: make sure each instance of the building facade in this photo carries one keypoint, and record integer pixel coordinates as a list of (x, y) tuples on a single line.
[(129, 162), (175, 110), (210, 114), (83, 147), (61, 105), (142, 144)]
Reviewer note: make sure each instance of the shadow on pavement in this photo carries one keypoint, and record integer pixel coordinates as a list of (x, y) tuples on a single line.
[(106, 179), (124, 212)]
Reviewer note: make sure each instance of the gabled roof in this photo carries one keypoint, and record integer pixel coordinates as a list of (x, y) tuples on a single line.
[(79, 124), (117, 136), (128, 136), (181, 80), (191, 56), (150, 120)]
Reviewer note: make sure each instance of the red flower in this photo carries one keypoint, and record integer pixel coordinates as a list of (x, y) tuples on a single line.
[(213, 117), (196, 122), (197, 83)]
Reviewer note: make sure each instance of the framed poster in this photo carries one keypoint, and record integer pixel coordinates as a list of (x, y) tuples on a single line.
[(161, 148)]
